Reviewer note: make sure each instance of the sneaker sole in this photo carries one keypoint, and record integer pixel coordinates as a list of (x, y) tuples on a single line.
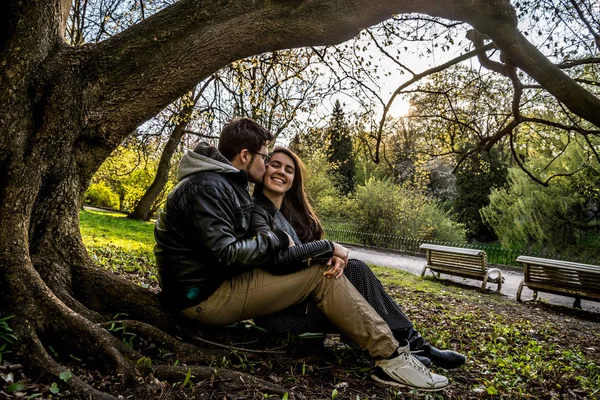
[(398, 384)]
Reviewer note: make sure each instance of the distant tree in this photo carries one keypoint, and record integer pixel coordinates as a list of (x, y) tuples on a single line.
[(278, 89), (339, 149), (562, 217), (178, 121), (475, 179), (309, 141)]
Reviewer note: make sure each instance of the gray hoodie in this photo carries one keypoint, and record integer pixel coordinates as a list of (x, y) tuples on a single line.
[(210, 159)]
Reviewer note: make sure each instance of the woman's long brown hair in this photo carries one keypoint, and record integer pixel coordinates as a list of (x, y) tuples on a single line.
[(295, 207)]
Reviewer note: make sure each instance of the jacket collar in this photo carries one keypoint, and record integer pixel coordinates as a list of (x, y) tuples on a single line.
[(263, 201)]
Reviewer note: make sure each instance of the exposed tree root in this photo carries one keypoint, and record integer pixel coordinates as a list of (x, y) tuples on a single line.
[(107, 293), (80, 309), (225, 380), (185, 352), (34, 353), (44, 316), (239, 348)]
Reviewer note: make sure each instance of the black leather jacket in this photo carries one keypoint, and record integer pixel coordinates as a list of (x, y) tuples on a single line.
[(202, 234), (266, 217)]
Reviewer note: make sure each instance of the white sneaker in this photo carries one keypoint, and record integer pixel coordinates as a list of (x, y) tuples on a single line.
[(406, 371)]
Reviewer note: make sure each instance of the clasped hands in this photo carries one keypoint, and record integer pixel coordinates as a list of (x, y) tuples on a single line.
[(337, 263)]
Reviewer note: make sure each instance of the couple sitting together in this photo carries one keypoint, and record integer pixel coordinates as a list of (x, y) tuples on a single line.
[(224, 258)]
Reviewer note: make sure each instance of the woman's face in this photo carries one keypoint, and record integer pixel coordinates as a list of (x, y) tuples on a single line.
[(280, 173)]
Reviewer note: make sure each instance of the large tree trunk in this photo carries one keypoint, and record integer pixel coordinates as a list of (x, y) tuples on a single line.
[(64, 110)]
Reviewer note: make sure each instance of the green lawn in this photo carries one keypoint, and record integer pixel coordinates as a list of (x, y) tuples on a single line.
[(119, 244)]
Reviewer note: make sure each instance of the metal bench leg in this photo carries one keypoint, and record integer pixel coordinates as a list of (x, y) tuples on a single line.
[(519, 290), (497, 280), (577, 303), (423, 271)]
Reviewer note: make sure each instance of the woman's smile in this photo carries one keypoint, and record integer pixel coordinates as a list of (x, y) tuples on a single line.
[(280, 173)]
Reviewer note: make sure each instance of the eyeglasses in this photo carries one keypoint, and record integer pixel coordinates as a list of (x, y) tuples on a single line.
[(265, 157)]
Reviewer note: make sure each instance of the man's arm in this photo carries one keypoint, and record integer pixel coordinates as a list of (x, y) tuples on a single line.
[(215, 216)]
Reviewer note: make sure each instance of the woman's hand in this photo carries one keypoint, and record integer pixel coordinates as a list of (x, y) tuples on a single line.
[(336, 268), (341, 252), (291, 243)]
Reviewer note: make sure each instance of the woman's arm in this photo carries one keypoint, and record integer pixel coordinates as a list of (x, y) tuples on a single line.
[(293, 258)]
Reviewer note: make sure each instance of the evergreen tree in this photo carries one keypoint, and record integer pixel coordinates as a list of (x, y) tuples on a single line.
[(339, 149)]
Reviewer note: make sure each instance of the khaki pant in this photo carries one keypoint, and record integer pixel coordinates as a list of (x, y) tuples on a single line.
[(257, 293)]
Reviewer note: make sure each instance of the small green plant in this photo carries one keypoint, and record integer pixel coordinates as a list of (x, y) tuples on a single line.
[(188, 379), (15, 387), (54, 389), (145, 364), (126, 337), (53, 351), (6, 336), (334, 394)]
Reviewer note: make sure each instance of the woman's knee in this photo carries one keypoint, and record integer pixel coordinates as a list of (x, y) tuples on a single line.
[(357, 267)]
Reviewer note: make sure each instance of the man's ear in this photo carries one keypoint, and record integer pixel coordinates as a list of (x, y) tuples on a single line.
[(245, 156), (242, 159)]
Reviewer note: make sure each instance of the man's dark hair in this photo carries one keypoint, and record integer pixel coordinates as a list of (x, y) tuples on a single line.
[(240, 134)]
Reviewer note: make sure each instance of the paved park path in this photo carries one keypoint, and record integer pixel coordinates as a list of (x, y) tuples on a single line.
[(414, 264)]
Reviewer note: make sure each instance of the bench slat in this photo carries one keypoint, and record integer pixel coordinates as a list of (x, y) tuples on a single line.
[(446, 260), (557, 263), (458, 266), (557, 290), (450, 256), (449, 249)]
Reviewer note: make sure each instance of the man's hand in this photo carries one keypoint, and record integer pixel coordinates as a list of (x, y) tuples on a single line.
[(336, 268)]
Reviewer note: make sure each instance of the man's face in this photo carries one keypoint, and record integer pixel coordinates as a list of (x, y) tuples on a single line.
[(256, 169)]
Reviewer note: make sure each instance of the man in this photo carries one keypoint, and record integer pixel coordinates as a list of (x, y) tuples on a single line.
[(208, 266)]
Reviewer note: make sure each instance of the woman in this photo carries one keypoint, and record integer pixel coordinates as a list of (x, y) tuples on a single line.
[(281, 202)]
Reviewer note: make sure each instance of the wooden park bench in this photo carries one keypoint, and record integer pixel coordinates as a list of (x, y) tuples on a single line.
[(467, 263), (581, 281)]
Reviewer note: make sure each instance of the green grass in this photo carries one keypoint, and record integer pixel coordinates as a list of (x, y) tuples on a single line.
[(100, 227), (513, 352), (119, 244)]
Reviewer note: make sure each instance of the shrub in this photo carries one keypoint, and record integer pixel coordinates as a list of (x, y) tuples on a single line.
[(382, 207), (100, 195)]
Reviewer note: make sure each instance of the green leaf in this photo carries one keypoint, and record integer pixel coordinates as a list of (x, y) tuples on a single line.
[(54, 389), (188, 377), (285, 396), (65, 376), (492, 390), (15, 387)]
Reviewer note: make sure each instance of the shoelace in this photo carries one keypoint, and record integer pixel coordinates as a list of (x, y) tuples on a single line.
[(415, 363)]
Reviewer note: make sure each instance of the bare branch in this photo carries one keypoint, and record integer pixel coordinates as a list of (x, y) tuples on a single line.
[(417, 77)]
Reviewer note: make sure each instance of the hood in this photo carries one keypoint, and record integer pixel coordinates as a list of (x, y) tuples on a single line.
[(203, 158)]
